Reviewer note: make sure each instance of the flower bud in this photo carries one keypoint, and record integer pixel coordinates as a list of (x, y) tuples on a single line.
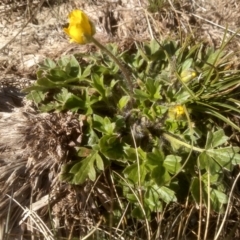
[(187, 75)]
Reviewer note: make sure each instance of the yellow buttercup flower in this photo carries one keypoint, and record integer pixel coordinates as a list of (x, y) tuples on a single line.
[(176, 112), (80, 28)]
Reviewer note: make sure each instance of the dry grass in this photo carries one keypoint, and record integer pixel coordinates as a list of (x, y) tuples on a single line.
[(32, 31)]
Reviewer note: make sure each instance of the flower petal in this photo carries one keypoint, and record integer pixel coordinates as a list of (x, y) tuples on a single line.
[(80, 27)]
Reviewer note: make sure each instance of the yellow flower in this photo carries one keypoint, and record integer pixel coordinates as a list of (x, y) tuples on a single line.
[(187, 75), (176, 112), (80, 27)]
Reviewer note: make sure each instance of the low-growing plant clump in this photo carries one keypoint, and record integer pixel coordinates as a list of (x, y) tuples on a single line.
[(158, 124)]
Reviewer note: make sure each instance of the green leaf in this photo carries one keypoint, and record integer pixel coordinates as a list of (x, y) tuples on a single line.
[(212, 59), (130, 196), (72, 102), (86, 72), (48, 64), (111, 147), (142, 155), (108, 126), (57, 75), (187, 64), (138, 214), (141, 95), (150, 86), (151, 199), (195, 189), (130, 153), (218, 199), (98, 123), (175, 144), (155, 158), (103, 125), (91, 173), (219, 138), (52, 106), (123, 102), (63, 95), (208, 144), (65, 174), (98, 120), (99, 162), (153, 88), (154, 46), (120, 122), (206, 162), (84, 152), (220, 116), (133, 173), (226, 157), (215, 139), (182, 95), (63, 61), (172, 163), (84, 169), (166, 194), (92, 138), (228, 107), (37, 88), (73, 67), (215, 179), (70, 65), (45, 82), (160, 175), (98, 84), (37, 96)]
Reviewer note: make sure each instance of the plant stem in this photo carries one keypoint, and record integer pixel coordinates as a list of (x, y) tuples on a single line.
[(122, 68), (181, 143)]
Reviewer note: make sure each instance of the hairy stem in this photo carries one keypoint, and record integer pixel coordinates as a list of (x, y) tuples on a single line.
[(125, 72)]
